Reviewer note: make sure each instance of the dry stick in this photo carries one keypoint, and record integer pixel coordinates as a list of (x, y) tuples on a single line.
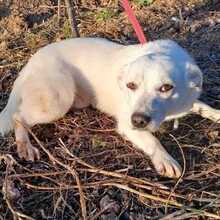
[(16, 214), (58, 11), (184, 170), (145, 195), (203, 172), (172, 215), (72, 19), (37, 174), (161, 191), (185, 216), (49, 188), (47, 6), (119, 175), (85, 186), (179, 215), (102, 130), (73, 172), (6, 197)]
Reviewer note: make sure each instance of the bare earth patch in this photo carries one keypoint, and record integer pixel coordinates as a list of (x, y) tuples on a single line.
[(86, 170)]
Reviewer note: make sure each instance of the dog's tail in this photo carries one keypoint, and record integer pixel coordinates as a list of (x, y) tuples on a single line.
[(11, 108)]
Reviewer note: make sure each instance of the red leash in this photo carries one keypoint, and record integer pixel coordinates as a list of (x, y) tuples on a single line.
[(134, 21)]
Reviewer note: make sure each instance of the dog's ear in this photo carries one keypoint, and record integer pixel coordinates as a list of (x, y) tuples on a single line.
[(194, 76), (121, 75)]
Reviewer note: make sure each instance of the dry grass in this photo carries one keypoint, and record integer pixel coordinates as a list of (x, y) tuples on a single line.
[(86, 170)]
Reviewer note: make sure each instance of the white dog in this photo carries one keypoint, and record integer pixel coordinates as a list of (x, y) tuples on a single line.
[(140, 85)]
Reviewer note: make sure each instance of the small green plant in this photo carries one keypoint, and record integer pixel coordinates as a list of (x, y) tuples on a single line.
[(103, 15), (66, 30), (97, 143), (146, 1)]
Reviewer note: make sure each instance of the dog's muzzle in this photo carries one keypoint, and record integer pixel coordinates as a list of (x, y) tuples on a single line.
[(140, 120)]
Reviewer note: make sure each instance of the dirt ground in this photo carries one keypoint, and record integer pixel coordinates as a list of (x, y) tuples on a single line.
[(86, 170)]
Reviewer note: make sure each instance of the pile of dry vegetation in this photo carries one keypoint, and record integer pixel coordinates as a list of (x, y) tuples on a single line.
[(86, 170)]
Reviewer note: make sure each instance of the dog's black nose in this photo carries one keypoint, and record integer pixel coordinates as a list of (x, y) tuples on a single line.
[(140, 120)]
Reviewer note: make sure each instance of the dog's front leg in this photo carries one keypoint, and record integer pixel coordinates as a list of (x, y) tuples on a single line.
[(206, 111), (144, 140)]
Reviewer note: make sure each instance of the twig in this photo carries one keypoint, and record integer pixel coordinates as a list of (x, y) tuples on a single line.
[(72, 19), (203, 172), (85, 186), (27, 175), (122, 176), (172, 215), (82, 198), (164, 192), (48, 6), (16, 214), (101, 130), (58, 11), (184, 170), (145, 195)]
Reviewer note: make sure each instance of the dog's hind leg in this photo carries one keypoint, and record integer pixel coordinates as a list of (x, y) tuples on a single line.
[(206, 111), (33, 110), (41, 103), (24, 146)]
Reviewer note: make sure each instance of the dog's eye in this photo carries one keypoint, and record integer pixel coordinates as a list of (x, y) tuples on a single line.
[(131, 85), (166, 87)]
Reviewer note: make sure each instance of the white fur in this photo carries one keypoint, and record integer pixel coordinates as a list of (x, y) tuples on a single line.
[(88, 71)]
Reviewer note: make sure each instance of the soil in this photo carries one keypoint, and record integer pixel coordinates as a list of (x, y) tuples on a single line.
[(86, 170)]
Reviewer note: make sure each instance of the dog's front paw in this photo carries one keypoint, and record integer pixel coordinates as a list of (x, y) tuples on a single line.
[(216, 116), (165, 165), (27, 151)]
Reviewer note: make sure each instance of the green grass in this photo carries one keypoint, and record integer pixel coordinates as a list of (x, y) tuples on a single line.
[(103, 15), (97, 143), (146, 1), (66, 30)]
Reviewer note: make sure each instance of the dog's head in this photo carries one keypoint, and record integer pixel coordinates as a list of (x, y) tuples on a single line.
[(158, 86)]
